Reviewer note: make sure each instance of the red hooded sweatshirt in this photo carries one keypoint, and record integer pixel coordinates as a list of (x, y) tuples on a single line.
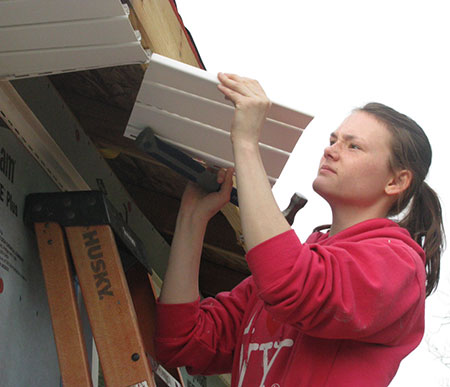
[(335, 311)]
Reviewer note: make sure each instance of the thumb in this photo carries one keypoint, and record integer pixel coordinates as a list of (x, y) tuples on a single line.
[(227, 184)]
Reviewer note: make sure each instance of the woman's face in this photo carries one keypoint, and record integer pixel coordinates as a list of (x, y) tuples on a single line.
[(354, 169)]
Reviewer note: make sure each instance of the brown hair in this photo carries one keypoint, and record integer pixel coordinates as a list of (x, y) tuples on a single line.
[(419, 205)]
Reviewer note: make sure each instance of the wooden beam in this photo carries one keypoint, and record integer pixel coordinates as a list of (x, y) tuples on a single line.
[(162, 211), (223, 265), (30, 131), (161, 30)]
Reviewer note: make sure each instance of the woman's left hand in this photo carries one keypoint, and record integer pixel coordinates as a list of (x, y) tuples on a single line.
[(251, 105)]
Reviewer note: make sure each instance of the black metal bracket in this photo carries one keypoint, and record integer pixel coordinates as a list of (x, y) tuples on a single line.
[(84, 208)]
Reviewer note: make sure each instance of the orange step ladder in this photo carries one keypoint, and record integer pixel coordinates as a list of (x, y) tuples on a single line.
[(82, 229)]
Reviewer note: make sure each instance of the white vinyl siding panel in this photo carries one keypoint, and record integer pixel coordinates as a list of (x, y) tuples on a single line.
[(195, 81), (212, 113), (206, 139), (22, 12), (69, 34), (183, 106), (39, 37)]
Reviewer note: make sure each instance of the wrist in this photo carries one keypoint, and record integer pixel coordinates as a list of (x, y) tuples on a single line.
[(248, 145), (191, 219)]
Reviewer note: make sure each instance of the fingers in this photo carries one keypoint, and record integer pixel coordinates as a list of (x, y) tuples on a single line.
[(228, 182), (229, 94), (241, 85), (225, 178), (221, 175), (225, 90), (232, 81)]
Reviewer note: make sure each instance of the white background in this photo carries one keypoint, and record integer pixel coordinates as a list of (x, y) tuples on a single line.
[(325, 58)]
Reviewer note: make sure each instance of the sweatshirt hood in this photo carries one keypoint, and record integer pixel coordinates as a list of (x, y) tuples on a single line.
[(369, 229)]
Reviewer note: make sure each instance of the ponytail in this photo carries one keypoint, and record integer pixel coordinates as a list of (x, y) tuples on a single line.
[(424, 222), (411, 150)]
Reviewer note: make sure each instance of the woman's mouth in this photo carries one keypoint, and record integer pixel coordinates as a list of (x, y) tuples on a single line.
[(327, 168)]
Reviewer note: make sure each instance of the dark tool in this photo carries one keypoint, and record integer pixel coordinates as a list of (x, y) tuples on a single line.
[(180, 162), (298, 201)]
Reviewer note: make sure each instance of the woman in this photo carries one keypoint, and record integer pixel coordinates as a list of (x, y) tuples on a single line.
[(343, 308)]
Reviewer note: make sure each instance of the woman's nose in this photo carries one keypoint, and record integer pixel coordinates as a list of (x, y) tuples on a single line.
[(331, 152)]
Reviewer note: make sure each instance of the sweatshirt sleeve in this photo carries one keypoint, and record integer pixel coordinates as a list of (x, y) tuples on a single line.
[(371, 290), (201, 335)]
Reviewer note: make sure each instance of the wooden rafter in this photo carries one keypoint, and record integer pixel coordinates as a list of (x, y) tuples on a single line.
[(162, 30)]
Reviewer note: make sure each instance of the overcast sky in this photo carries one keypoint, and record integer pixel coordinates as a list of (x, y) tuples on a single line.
[(325, 58)]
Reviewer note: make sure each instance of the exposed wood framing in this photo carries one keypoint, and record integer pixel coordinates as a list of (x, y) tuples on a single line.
[(29, 130), (163, 33), (161, 30), (223, 265), (102, 101)]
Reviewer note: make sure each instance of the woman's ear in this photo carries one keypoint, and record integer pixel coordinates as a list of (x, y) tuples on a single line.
[(399, 183)]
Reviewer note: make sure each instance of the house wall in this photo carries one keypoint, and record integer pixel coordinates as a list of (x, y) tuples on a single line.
[(27, 349)]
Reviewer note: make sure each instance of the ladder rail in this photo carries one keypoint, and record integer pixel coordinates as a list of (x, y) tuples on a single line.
[(66, 321), (109, 305)]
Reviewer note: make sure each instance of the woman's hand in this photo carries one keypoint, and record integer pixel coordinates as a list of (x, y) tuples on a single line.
[(197, 207), (202, 206), (261, 218), (251, 105)]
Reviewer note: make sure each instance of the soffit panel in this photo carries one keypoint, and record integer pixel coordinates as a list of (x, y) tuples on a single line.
[(183, 106)]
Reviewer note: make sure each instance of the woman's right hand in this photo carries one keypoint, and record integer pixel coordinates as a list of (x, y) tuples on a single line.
[(197, 208), (251, 103), (202, 206)]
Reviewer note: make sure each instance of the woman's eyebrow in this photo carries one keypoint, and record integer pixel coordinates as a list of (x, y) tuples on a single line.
[(347, 137)]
